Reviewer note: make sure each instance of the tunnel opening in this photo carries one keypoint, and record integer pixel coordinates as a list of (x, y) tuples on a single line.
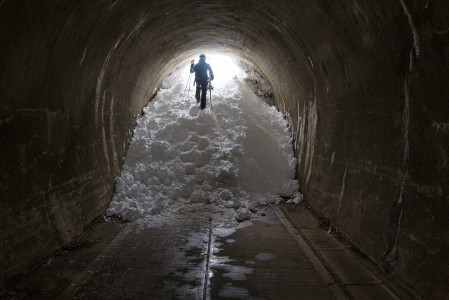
[(236, 154)]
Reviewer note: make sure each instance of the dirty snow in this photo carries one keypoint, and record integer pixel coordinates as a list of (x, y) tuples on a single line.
[(235, 155)]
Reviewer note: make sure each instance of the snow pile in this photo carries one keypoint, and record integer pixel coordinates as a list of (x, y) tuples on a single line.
[(258, 84), (237, 154)]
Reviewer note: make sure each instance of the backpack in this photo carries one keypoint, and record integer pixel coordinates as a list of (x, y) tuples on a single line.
[(201, 72)]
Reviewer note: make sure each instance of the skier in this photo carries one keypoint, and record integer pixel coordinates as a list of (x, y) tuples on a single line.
[(201, 78)]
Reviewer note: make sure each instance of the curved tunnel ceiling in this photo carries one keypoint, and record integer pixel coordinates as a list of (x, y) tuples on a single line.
[(363, 84), (151, 39)]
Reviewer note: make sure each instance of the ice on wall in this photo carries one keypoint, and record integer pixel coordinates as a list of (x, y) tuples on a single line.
[(235, 154)]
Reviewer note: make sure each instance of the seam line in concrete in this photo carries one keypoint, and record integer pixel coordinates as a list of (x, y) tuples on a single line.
[(206, 275), (331, 283), (363, 284), (336, 250)]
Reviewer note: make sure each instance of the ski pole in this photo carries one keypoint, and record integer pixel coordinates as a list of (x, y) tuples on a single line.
[(210, 93), (188, 81)]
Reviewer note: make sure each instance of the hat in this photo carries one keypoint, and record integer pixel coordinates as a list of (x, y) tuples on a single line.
[(202, 56)]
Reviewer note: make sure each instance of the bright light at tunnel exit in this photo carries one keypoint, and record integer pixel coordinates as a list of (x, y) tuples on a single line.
[(225, 68)]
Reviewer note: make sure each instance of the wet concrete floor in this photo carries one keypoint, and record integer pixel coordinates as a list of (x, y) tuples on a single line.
[(282, 254)]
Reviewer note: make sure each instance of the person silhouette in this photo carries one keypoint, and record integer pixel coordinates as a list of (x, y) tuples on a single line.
[(203, 72)]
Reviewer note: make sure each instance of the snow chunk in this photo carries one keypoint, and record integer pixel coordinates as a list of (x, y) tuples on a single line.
[(298, 199), (242, 214), (110, 212), (289, 188)]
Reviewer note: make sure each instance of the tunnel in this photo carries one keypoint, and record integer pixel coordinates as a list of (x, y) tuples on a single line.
[(363, 85)]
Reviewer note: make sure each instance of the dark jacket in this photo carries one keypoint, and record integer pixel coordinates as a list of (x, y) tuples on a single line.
[(200, 70)]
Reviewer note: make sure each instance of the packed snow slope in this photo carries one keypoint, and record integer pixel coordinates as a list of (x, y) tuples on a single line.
[(236, 154)]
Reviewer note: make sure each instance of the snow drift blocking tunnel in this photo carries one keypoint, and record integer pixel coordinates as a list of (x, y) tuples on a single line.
[(235, 156), (363, 84)]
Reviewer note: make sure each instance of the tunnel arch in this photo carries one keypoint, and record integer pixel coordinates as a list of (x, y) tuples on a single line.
[(362, 83)]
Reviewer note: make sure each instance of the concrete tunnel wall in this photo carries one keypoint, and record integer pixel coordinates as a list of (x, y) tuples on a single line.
[(363, 84)]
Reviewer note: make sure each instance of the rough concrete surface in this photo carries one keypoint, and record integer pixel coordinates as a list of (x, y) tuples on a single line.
[(362, 83), (356, 274), (197, 258)]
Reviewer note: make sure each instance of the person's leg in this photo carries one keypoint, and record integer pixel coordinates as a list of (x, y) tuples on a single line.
[(203, 94), (197, 94)]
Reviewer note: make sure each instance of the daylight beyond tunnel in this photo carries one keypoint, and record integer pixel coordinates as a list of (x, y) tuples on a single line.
[(362, 84)]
